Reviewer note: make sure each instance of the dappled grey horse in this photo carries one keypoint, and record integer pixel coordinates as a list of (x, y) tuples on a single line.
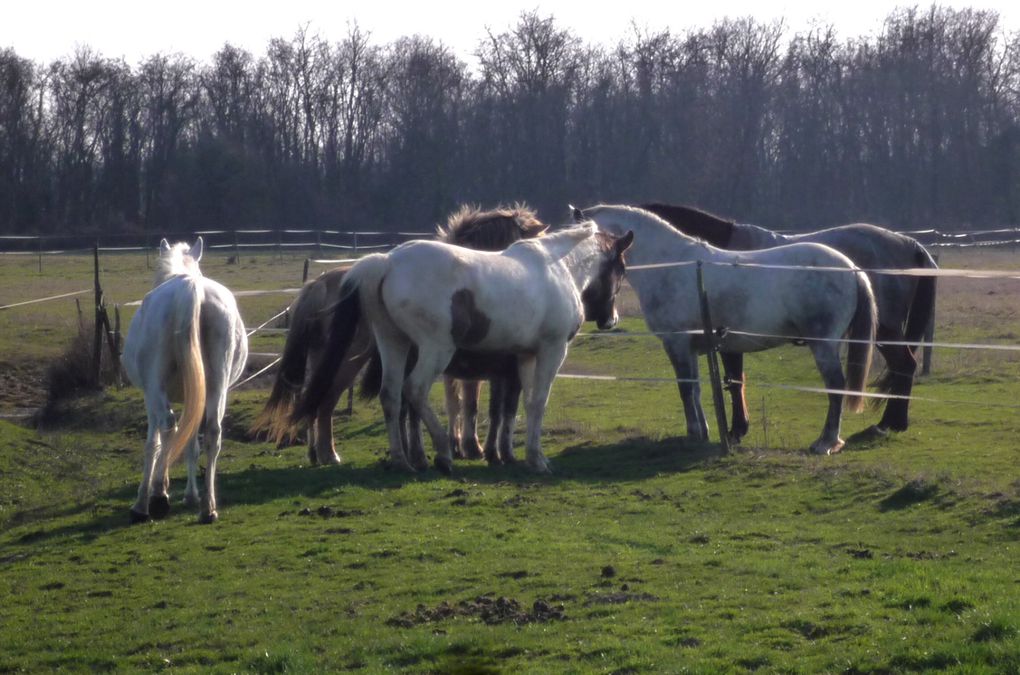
[(905, 303)]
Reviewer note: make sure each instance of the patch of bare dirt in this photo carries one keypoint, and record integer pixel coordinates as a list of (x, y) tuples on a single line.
[(22, 388)]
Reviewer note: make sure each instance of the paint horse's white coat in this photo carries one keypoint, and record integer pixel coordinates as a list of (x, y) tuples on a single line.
[(797, 303), (526, 300), (186, 343)]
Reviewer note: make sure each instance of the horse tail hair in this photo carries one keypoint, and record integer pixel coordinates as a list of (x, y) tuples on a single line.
[(922, 307), (304, 335), (861, 347), (371, 381), (192, 372), (367, 273)]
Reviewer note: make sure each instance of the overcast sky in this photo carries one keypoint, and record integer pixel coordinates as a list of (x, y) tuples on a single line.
[(44, 30)]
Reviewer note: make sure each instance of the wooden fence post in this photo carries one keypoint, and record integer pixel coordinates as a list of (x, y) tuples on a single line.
[(97, 342), (304, 274), (713, 363)]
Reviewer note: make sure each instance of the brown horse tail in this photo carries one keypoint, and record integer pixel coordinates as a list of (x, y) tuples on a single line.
[(862, 336), (192, 372), (273, 419), (922, 307), (346, 316)]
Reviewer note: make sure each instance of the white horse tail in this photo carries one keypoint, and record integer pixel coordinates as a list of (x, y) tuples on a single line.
[(188, 354), (862, 334), (365, 276)]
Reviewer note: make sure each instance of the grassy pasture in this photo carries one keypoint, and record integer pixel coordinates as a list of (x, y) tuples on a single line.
[(641, 553)]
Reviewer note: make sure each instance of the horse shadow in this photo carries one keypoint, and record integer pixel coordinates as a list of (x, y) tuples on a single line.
[(631, 459)]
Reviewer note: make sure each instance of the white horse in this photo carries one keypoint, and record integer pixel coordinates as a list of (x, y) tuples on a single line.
[(529, 300), (817, 306), (186, 343)]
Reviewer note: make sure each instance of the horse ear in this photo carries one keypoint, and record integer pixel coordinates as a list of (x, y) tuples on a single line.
[(577, 213), (196, 249), (164, 246), (624, 242)]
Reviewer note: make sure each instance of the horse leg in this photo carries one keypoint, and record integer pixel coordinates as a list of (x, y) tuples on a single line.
[(159, 497), (546, 363), (472, 390), (393, 352), (432, 360), (497, 392), (451, 388), (508, 417), (902, 365), (414, 442), (685, 365), (733, 364), (140, 510), (215, 408), (191, 489), (827, 359)]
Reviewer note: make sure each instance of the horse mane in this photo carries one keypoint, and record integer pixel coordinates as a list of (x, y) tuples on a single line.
[(695, 222), (491, 230), (177, 261)]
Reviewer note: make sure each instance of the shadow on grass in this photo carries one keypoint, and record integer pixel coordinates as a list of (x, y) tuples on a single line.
[(629, 460)]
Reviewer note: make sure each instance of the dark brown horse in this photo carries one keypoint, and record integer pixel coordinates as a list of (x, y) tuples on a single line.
[(905, 303), (311, 316)]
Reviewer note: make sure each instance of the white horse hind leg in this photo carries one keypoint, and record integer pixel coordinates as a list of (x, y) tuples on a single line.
[(215, 408), (431, 362), (827, 359), (159, 497), (393, 351), (547, 363), (191, 489), (140, 511)]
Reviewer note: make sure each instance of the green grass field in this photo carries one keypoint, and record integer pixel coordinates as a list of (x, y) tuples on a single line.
[(642, 553)]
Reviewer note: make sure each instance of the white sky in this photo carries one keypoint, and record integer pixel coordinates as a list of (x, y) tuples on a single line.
[(44, 30)]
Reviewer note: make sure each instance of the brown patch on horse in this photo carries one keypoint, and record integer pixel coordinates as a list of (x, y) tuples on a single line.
[(468, 326), (492, 230)]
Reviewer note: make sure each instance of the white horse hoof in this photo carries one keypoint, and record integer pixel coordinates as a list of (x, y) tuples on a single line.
[(208, 518), (821, 448), (331, 459), (541, 466)]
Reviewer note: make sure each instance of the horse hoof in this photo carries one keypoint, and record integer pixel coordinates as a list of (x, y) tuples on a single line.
[(332, 459), (208, 518), (820, 448), (471, 449), (401, 465), (138, 517), (159, 506), (493, 460), (444, 465), (541, 466)]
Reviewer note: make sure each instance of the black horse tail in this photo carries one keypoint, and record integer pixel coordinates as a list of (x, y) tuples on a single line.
[(371, 380), (922, 308), (862, 336), (346, 316)]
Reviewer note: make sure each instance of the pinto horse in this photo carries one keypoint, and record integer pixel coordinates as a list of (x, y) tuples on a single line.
[(817, 306), (186, 343), (905, 303), (488, 230), (528, 300)]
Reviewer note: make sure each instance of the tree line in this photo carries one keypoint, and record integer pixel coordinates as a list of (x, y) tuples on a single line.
[(916, 126)]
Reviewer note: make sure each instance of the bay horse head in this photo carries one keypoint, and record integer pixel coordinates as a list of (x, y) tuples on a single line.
[(599, 296)]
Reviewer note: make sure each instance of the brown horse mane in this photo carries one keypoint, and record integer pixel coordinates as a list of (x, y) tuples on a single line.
[(695, 222), (491, 230)]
